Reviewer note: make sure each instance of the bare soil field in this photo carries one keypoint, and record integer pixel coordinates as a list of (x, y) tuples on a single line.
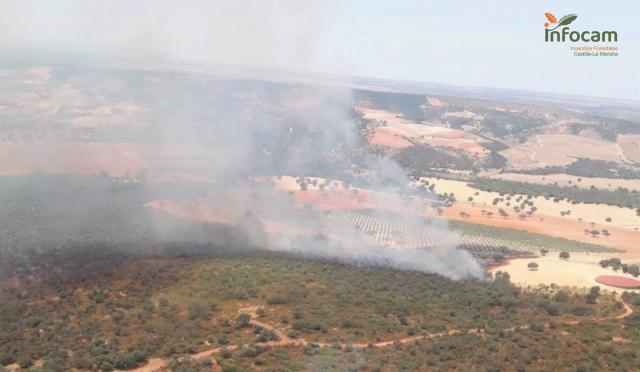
[(630, 144), (561, 149), (568, 180), (580, 270), (183, 163)]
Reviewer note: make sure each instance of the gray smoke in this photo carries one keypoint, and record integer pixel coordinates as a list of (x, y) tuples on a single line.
[(224, 125)]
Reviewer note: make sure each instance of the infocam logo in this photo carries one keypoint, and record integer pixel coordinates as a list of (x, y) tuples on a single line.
[(566, 34)]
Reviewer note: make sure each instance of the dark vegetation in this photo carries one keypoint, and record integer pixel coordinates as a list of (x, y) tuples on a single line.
[(42, 215), (501, 124), (118, 315), (561, 348), (421, 159), (406, 104), (616, 264), (584, 167), (608, 129)]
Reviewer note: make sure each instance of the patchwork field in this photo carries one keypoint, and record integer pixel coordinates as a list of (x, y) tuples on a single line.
[(398, 132)]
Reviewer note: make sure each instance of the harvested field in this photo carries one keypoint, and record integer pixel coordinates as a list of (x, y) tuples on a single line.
[(580, 270), (618, 281), (561, 149)]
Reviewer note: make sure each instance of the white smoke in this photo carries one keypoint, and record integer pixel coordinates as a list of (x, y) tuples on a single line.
[(228, 130)]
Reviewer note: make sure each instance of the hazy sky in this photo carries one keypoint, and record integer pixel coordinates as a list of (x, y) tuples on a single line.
[(491, 43)]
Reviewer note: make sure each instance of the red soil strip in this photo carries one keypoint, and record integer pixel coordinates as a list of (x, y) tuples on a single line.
[(618, 281)]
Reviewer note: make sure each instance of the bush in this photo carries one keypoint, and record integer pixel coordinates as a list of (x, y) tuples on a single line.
[(196, 310), (24, 361), (561, 296), (243, 320), (106, 366), (307, 326), (277, 300)]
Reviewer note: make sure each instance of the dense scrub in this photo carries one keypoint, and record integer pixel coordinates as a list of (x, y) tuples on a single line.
[(122, 315), (421, 159), (590, 347)]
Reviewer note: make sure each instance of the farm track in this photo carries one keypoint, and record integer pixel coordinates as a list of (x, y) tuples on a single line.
[(160, 364)]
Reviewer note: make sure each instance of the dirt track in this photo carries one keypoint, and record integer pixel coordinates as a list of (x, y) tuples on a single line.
[(159, 364)]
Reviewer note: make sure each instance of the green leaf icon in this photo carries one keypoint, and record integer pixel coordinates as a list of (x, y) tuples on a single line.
[(568, 19), (565, 21)]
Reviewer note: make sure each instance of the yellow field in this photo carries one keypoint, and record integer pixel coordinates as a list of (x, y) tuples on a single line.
[(625, 218), (630, 144), (580, 270)]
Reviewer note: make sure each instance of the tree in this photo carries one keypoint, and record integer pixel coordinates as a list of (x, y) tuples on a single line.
[(533, 266), (564, 255), (544, 252), (244, 319), (561, 296)]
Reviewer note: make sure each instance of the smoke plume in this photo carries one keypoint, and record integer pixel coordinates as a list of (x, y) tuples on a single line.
[(137, 111)]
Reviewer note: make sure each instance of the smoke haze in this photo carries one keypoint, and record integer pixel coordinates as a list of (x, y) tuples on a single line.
[(123, 115)]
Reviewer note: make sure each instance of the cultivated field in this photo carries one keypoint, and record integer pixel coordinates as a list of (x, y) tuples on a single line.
[(589, 213)]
